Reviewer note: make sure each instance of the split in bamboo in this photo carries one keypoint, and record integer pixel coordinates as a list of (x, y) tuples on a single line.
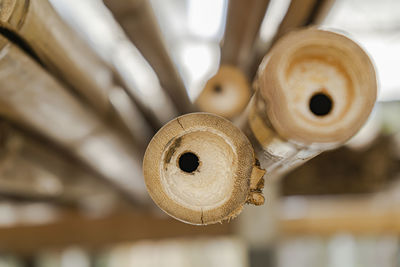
[(315, 90)]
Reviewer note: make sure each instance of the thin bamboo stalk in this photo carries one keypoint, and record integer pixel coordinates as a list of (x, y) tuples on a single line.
[(131, 69), (315, 90), (32, 98), (243, 23), (40, 29), (140, 24), (302, 13)]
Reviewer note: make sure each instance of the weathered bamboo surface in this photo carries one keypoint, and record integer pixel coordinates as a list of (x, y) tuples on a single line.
[(140, 24), (314, 91), (200, 169), (33, 99), (37, 26)]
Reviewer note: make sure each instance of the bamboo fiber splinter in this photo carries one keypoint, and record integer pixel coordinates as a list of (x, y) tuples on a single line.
[(314, 91)]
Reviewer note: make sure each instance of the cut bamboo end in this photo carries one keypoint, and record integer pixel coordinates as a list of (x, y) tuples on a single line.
[(200, 169), (226, 94), (319, 87)]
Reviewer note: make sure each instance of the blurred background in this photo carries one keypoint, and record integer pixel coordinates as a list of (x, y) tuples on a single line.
[(340, 209)]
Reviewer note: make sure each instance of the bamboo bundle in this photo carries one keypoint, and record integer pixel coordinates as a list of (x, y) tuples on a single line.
[(140, 24), (32, 98), (35, 26), (315, 90)]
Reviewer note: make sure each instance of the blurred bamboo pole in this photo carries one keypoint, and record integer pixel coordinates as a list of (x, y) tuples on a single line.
[(30, 169), (243, 23), (302, 13), (140, 24), (130, 68), (36, 26), (314, 91), (228, 92), (355, 214), (30, 97)]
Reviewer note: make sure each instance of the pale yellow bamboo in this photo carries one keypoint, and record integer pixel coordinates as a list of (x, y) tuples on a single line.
[(314, 91), (30, 97), (68, 57), (243, 23)]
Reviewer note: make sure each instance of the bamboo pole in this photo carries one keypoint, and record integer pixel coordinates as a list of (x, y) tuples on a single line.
[(243, 23), (315, 90), (302, 13), (201, 169), (358, 215), (34, 170), (228, 92), (225, 94), (38, 28), (140, 24), (32, 98)]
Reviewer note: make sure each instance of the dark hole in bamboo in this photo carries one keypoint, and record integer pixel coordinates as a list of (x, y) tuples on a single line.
[(217, 88), (188, 162), (321, 104)]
